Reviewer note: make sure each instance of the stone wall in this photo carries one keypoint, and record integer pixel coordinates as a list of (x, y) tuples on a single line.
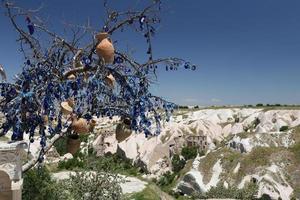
[(11, 170)]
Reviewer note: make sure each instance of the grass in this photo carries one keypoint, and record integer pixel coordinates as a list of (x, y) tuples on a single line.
[(149, 193), (4, 139), (207, 164), (296, 134), (258, 157)]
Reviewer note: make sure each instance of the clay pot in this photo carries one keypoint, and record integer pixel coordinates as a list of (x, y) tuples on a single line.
[(80, 126), (73, 143), (127, 121), (105, 48), (110, 80), (66, 108), (123, 131)]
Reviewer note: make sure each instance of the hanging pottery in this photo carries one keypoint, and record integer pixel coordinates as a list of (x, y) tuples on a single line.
[(110, 80), (105, 48), (123, 131), (73, 143), (66, 108), (80, 126)]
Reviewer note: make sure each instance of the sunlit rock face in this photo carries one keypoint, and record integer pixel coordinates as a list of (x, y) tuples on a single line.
[(241, 134)]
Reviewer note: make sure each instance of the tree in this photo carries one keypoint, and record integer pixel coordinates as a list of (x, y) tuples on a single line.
[(189, 152), (177, 163), (94, 186), (39, 185), (65, 82)]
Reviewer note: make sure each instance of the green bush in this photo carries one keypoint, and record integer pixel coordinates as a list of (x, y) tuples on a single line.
[(71, 164), (166, 179), (38, 185), (249, 192), (93, 186), (61, 146), (177, 163), (77, 162), (113, 163), (189, 152), (284, 128)]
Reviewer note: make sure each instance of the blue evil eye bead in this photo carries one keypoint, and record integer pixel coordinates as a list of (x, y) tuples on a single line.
[(105, 28), (142, 19), (28, 62), (30, 28), (119, 60), (87, 61), (193, 67), (186, 65)]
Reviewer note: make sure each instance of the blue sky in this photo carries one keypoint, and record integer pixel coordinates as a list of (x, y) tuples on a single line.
[(248, 51)]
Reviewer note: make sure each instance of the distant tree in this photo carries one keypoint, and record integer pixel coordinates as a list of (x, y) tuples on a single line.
[(66, 80), (177, 163), (259, 105), (189, 152)]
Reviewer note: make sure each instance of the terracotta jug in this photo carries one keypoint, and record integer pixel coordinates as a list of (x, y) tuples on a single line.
[(66, 108), (105, 48), (80, 126), (73, 143)]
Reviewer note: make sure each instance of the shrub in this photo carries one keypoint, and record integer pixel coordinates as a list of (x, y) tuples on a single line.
[(61, 146), (177, 163), (93, 185), (189, 152), (39, 185), (113, 163), (71, 164), (249, 192), (284, 128), (166, 179), (78, 161)]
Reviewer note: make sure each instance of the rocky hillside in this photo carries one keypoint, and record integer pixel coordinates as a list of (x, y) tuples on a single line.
[(243, 145), (240, 145)]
